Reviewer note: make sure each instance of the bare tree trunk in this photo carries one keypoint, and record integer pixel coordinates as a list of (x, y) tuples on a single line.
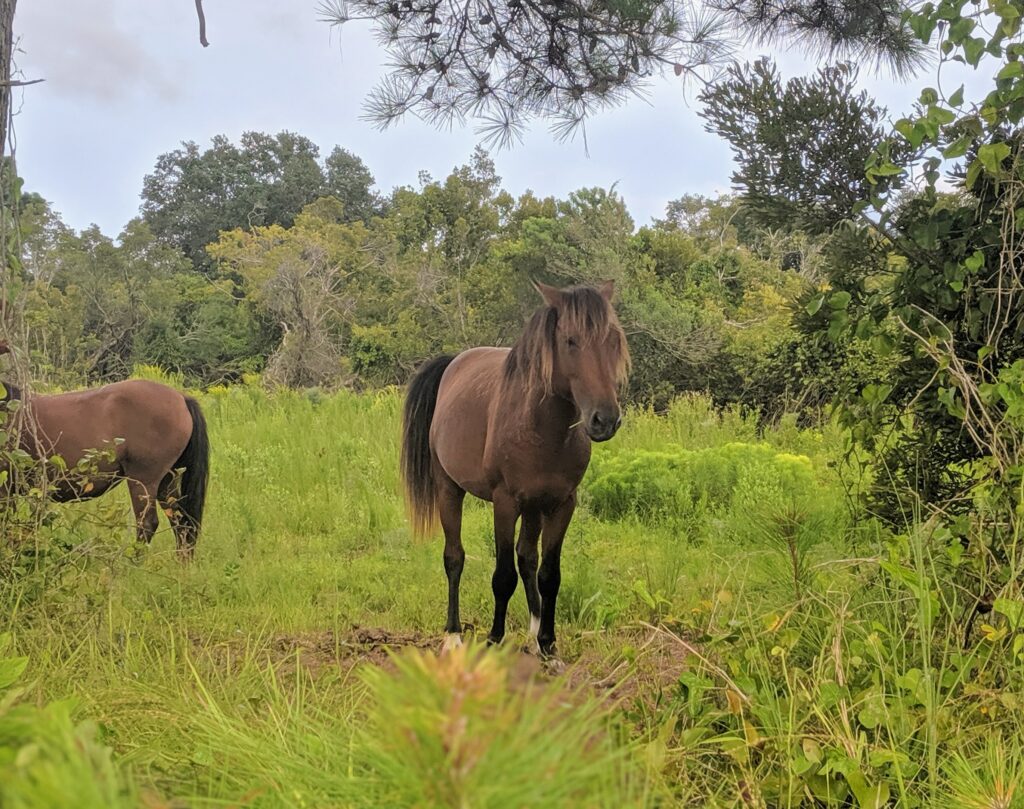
[(6, 54)]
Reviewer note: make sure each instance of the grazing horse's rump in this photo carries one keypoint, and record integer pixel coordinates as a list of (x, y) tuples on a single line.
[(514, 427), (142, 432)]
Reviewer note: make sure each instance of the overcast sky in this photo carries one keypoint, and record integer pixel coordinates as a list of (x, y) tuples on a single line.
[(127, 80)]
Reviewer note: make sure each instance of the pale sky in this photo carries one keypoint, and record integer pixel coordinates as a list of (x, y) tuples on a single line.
[(127, 80)]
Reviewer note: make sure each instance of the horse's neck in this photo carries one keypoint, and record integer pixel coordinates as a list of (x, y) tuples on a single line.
[(548, 415)]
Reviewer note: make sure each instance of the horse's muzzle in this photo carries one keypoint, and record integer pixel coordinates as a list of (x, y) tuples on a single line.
[(603, 423)]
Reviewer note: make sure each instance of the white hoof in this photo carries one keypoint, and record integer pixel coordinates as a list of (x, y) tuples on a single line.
[(452, 640)]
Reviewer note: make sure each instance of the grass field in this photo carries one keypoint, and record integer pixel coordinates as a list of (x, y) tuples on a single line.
[(731, 635)]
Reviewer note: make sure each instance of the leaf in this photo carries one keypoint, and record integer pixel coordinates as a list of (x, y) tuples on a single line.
[(868, 797), (974, 47), (957, 98), (992, 634), (941, 115), (678, 69), (1010, 70), (1011, 608), (11, 669), (839, 300), (975, 261), (838, 323), (959, 147), (972, 174), (992, 156), (750, 733), (887, 169), (814, 304)]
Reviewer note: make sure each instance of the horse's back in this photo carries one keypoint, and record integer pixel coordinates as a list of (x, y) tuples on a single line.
[(458, 433), (146, 416)]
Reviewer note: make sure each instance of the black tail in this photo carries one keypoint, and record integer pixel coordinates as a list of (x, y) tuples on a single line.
[(196, 461), (417, 464)]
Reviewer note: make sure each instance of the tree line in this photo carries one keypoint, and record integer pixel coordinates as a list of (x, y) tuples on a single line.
[(261, 257)]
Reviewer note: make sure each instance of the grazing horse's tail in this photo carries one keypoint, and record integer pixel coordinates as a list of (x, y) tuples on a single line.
[(417, 463), (196, 461)]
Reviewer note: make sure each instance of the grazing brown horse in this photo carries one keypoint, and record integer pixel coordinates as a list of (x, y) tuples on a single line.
[(514, 426), (137, 431)]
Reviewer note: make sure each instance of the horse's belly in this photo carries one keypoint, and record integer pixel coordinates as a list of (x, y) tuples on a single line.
[(458, 433), (66, 491)]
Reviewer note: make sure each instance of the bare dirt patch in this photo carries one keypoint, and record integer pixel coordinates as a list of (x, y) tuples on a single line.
[(651, 667)]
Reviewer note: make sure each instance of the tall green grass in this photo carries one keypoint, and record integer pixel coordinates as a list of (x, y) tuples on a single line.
[(734, 634)]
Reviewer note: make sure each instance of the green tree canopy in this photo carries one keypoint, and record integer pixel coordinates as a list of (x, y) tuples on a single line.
[(193, 194)]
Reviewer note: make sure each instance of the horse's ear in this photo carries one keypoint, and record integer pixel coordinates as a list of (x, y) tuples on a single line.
[(552, 295), (607, 289)]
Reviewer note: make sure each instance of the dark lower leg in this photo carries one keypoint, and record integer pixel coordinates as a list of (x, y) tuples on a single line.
[(186, 532), (450, 511), (144, 507), (549, 579), (526, 551), (503, 582)]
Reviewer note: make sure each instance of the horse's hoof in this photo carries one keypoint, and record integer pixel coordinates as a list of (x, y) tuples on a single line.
[(492, 641), (452, 640)]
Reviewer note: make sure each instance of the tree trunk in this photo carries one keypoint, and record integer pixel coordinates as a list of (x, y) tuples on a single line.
[(6, 53)]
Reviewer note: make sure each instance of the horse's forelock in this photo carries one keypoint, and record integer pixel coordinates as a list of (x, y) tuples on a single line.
[(582, 310), (590, 315)]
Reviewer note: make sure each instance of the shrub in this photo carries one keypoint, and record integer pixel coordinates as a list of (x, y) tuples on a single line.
[(46, 759), (751, 492)]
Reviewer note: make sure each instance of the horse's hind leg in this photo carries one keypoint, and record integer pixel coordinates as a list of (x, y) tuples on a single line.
[(185, 531), (526, 551), (449, 508), (144, 500), (549, 579), (503, 582)]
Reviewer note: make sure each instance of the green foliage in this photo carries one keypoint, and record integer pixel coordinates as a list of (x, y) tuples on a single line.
[(506, 65), (801, 147), (324, 298), (193, 195), (440, 728), (47, 760), (256, 675), (750, 493)]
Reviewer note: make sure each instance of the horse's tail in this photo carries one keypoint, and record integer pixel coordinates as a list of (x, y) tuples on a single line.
[(196, 461), (417, 463)]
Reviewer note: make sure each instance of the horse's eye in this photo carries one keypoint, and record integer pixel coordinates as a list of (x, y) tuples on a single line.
[(571, 342)]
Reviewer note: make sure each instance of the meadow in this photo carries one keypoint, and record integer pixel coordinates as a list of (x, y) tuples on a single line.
[(733, 632)]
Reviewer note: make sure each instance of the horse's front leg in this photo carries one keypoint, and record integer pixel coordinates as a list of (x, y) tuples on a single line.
[(526, 552), (503, 582), (549, 579)]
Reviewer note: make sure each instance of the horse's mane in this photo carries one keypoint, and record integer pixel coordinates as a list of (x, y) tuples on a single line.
[(583, 310)]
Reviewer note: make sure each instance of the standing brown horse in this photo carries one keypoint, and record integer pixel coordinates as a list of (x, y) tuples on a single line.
[(137, 431), (514, 426)]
